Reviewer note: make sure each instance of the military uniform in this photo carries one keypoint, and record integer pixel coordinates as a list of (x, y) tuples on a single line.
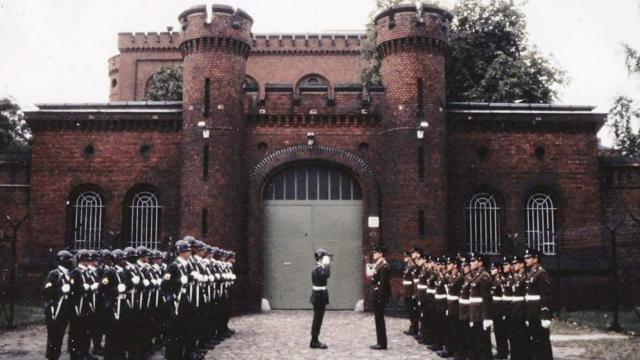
[(498, 316), (517, 314), (538, 315), (421, 291), (115, 284), (410, 301), (319, 296), (452, 328), (380, 292), (83, 302), (463, 307), (480, 302), (439, 308), (57, 310)]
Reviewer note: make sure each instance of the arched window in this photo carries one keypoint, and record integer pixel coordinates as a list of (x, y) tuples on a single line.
[(313, 82), (484, 224), (87, 211), (250, 83), (310, 183), (541, 212), (143, 219)]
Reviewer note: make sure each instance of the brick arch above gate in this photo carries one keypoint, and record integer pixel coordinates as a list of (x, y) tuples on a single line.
[(318, 153)]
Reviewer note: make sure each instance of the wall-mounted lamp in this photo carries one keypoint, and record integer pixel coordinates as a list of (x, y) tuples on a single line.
[(421, 128), (311, 138)]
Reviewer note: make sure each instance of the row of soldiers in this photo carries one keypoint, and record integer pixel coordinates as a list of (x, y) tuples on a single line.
[(454, 303), (136, 301)]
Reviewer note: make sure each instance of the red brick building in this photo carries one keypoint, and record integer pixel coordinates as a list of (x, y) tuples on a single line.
[(276, 129)]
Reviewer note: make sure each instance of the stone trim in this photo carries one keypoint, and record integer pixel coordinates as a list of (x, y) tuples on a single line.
[(417, 43), (209, 44), (278, 120)]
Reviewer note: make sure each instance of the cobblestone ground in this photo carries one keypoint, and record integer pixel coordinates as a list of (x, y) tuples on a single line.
[(279, 335)]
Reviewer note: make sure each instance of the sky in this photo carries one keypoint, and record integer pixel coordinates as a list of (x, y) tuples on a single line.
[(57, 51)]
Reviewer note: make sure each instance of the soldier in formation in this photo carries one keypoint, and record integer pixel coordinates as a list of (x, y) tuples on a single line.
[(132, 302), (458, 303)]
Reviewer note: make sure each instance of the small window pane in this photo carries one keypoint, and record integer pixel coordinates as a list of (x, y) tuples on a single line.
[(278, 184), (313, 183), (334, 182), (301, 181), (346, 186), (290, 176), (323, 181)]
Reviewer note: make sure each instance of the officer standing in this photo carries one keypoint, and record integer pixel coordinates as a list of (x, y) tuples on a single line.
[(380, 290), (56, 293), (480, 302), (319, 295), (537, 302)]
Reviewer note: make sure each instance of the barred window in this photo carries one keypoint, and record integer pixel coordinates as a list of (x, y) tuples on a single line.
[(87, 221), (484, 224), (540, 213), (144, 215), (312, 183)]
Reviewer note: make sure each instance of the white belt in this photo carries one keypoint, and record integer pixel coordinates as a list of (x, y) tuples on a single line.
[(497, 298), (464, 302), (532, 297), (406, 282), (475, 300), (422, 287), (416, 280), (441, 296), (431, 291), (452, 298), (517, 298), (507, 298), (319, 288)]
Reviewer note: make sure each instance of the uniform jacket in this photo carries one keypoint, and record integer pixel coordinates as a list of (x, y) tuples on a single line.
[(380, 285), (463, 301), (538, 295), (497, 307), (407, 279), (55, 302), (81, 297), (319, 276), (480, 296), (454, 284), (518, 292), (109, 284)]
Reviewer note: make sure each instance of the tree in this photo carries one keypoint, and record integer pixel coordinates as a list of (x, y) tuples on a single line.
[(14, 132), (489, 59), (165, 84)]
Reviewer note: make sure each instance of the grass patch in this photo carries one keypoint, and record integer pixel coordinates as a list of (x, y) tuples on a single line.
[(612, 349), (596, 321), (24, 315)]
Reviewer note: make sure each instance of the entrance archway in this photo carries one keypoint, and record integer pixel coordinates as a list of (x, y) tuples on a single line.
[(306, 207)]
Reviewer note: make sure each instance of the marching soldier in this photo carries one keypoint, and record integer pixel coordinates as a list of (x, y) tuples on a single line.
[(380, 290), (517, 312), (83, 288), (463, 308), (408, 274), (319, 295), (480, 302), (537, 302), (498, 311), (115, 284), (56, 292), (157, 313)]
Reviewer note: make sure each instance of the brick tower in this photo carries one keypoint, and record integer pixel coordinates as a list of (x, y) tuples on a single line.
[(214, 52), (412, 43)]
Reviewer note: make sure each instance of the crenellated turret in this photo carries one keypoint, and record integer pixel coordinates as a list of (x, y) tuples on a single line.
[(412, 44), (214, 52)]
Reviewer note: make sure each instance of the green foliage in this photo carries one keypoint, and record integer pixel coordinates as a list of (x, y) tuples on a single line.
[(165, 84), (489, 59), (632, 59), (14, 132), (622, 118)]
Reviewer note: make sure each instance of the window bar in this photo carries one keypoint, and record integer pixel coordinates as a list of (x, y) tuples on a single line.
[(205, 163), (207, 90)]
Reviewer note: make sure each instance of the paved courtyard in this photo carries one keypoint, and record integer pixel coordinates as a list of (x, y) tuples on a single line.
[(281, 335)]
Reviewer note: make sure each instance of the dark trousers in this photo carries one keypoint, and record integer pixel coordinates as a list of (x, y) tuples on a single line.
[(518, 338), (55, 334), (452, 334), (176, 337), (115, 342), (481, 342), (424, 321), (79, 337), (540, 344), (466, 343), (500, 331), (318, 315), (381, 330), (413, 312)]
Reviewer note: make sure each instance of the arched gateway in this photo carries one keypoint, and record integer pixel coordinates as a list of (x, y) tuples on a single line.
[(306, 207)]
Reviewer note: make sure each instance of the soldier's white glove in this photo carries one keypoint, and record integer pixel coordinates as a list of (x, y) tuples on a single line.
[(135, 280), (446, 313), (233, 276), (86, 287), (326, 260), (218, 276), (526, 323), (94, 286), (211, 278), (145, 282), (65, 288), (486, 324), (159, 282), (470, 324), (545, 323), (184, 279), (121, 288)]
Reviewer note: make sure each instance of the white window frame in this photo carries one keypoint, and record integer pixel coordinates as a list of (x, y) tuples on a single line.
[(484, 224), (88, 211), (541, 218), (144, 220)]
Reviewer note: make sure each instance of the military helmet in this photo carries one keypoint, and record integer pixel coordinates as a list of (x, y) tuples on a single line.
[(118, 254), (143, 251), (65, 258), (83, 255), (232, 254), (182, 246), (132, 254), (93, 255), (320, 253), (200, 245), (106, 254), (155, 254)]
